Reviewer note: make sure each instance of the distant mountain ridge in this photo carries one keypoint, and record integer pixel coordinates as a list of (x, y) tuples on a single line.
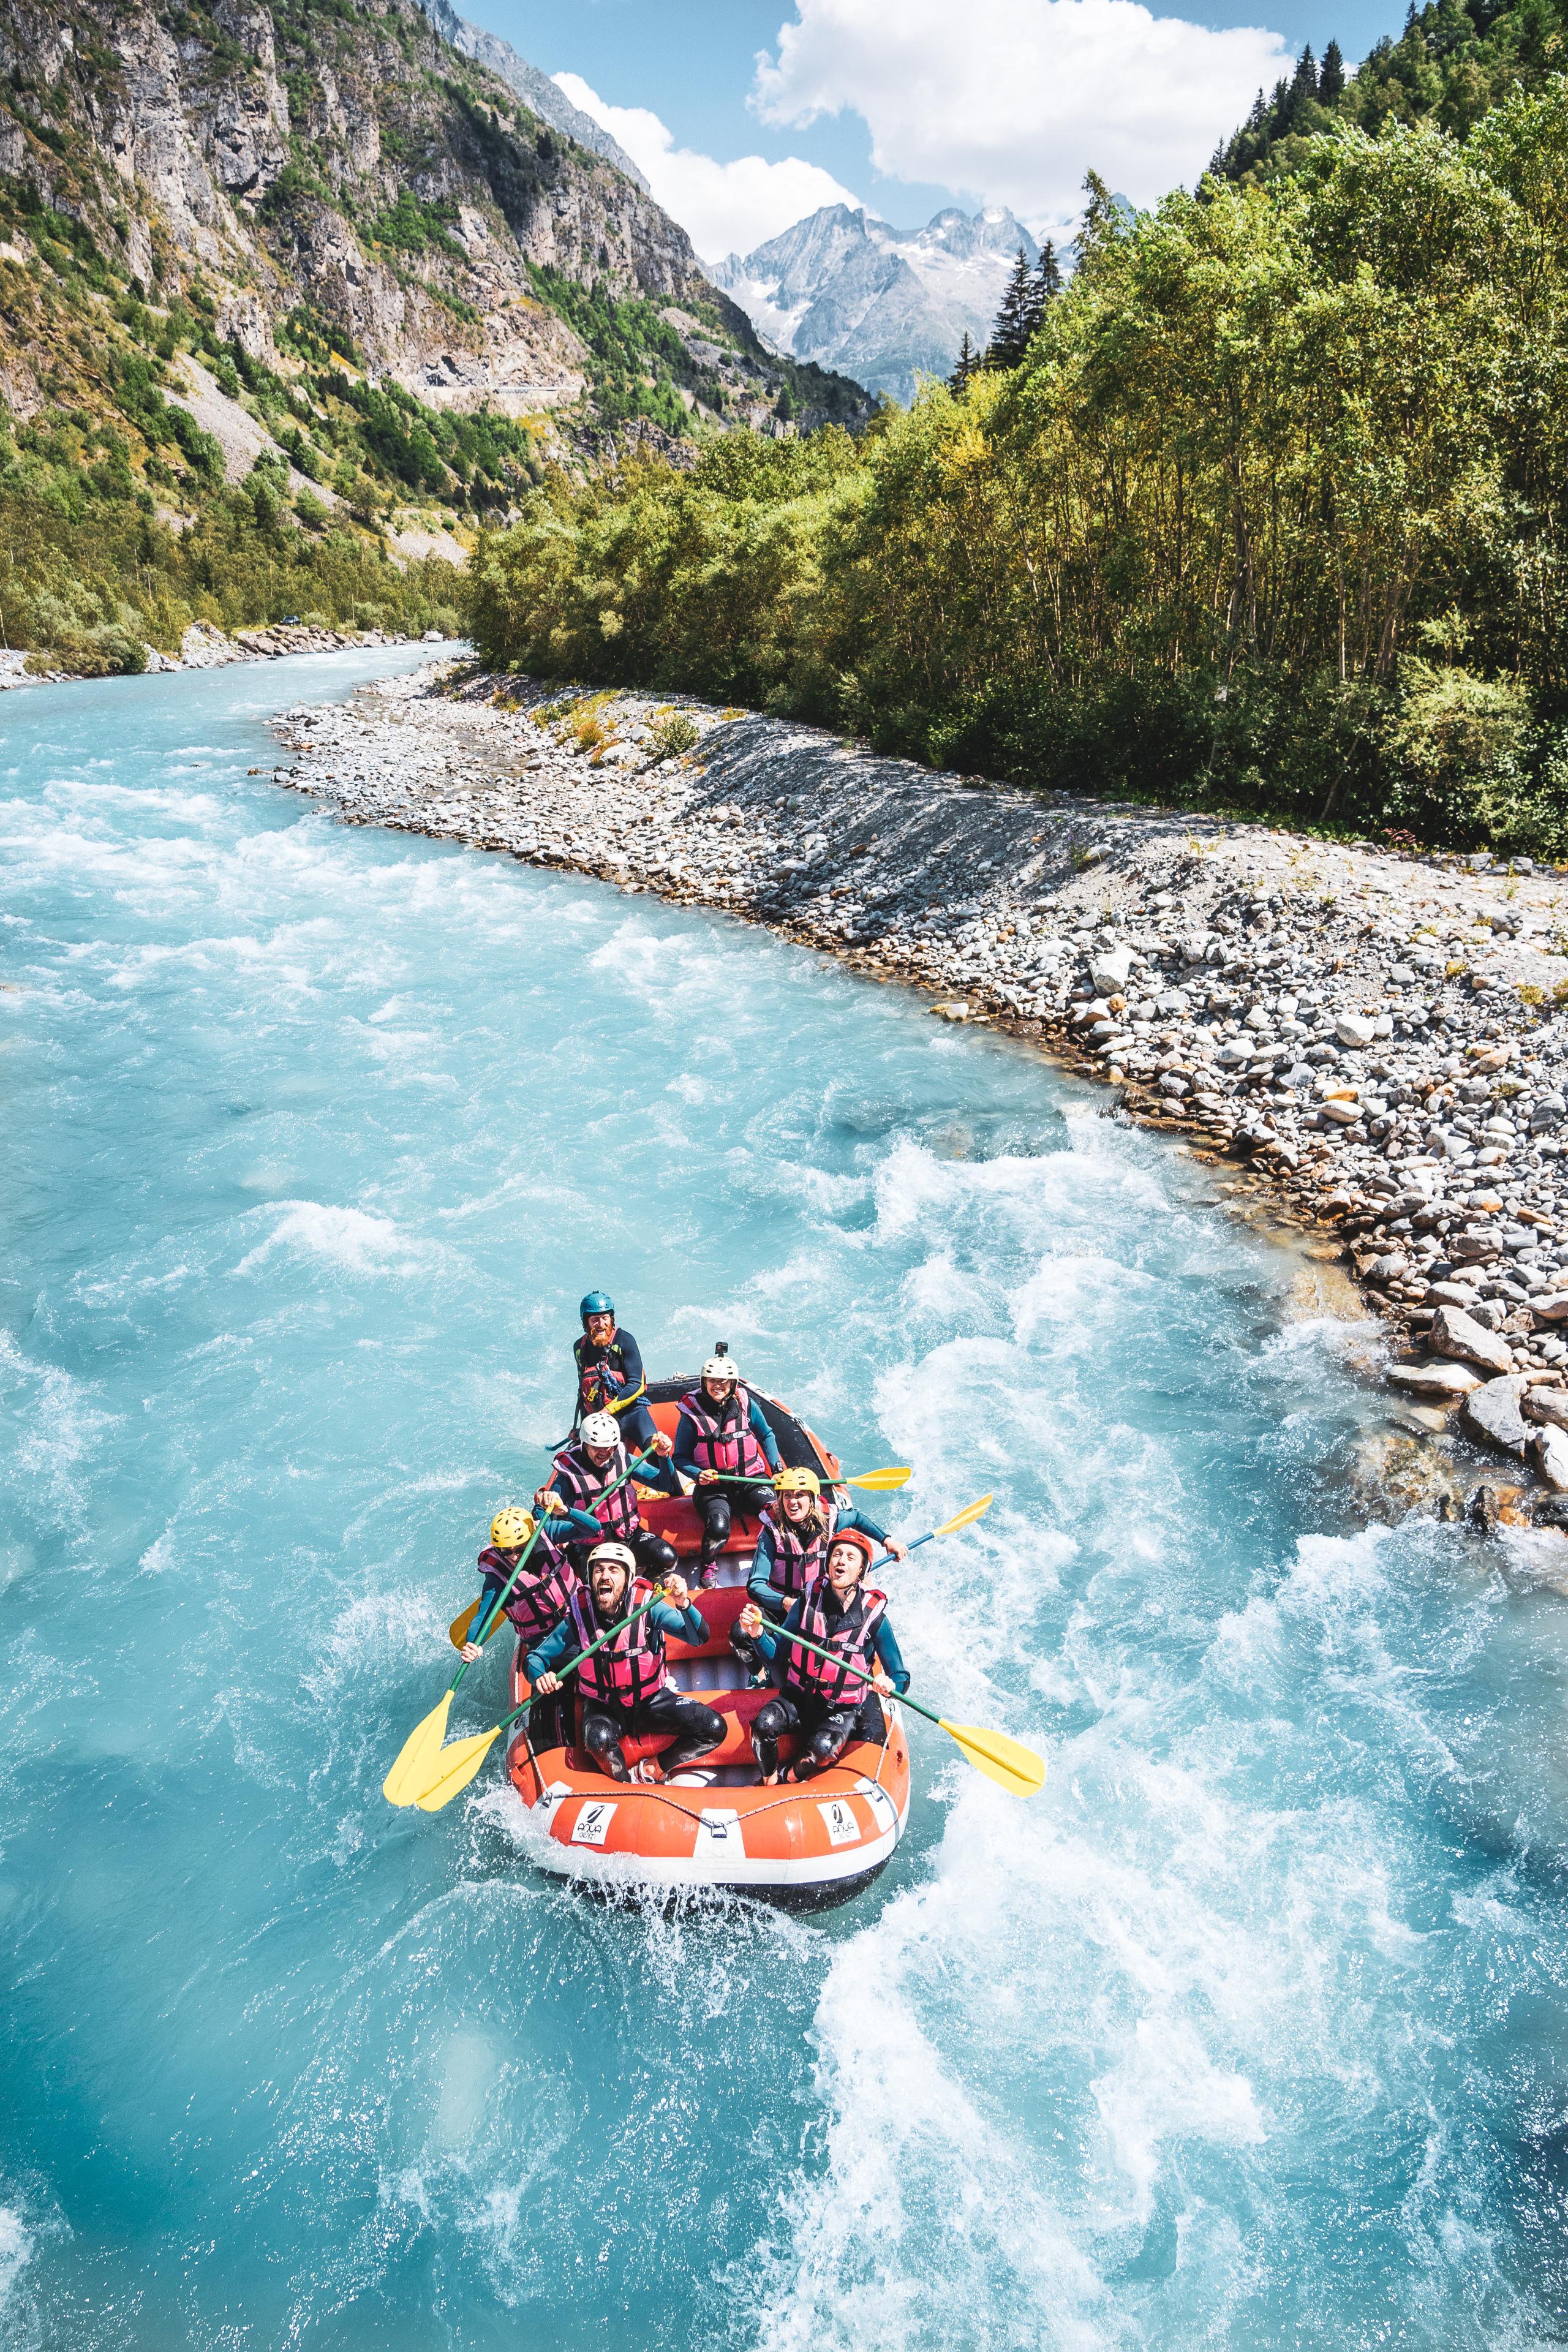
[(539, 93), (883, 305)]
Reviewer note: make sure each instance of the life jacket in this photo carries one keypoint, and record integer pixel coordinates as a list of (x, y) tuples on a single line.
[(850, 1637), (797, 1558), (724, 1439), (631, 1667), (539, 1597), (603, 1382), (577, 1482)]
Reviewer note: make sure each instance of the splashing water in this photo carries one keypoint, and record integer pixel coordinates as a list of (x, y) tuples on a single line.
[(1248, 2032)]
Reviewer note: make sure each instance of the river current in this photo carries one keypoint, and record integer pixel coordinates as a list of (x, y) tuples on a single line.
[(1249, 2031)]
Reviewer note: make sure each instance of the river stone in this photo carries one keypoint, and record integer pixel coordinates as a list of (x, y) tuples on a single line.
[(1553, 1309), (1492, 1412), (1436, 1379), (1352, 1029), (1454, 1333), (1343, 1114), (1549, 1405), (1549, 1452), (1109, 971)]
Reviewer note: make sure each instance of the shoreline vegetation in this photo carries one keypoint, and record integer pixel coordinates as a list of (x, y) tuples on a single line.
[(1266, 520), (1373, 1038)]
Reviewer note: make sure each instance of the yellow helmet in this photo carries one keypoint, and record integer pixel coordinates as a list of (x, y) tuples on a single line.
[(796, 1481), (512, 1528)]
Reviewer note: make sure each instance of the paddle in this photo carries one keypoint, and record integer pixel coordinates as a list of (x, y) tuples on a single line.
[(1006, 1761), (613, 1405), (459, 1631), (965, 1519), (449, 1773), (423, 1743), (879, 1482)]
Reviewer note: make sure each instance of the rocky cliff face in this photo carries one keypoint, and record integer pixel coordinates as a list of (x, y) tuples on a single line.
[(339, 166)]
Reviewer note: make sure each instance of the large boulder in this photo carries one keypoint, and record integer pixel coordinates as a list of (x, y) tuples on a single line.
[(1454, 1333), (1492, 1412), (1547, 1405), (1549, 1452), (1434, 1379)]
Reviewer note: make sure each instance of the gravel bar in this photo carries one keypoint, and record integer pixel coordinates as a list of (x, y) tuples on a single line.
[(1377, 1038)]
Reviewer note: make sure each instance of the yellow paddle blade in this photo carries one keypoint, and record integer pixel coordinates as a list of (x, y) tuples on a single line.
[(1006, 1761), (417, 1753), (879, 1482), (453, 1770), (462, 1626), (966, 1519)]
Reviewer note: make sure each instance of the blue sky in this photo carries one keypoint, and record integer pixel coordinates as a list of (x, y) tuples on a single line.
[(912, 104)]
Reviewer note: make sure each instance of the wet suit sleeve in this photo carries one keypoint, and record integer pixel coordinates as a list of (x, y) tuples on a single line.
[(759, 1586), (659, 1473), (686, 1624), (857, 1522), (685, 1455), (581, 1522), (550, 1653), (766, 1437), (890, 1658)]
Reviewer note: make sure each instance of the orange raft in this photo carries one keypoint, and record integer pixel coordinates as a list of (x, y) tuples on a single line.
[(715, 1825)]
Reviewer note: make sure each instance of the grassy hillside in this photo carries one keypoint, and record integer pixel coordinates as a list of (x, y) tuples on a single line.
[(1269, 518)]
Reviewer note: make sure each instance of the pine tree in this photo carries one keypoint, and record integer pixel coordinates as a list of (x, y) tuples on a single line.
[(967, 361), (1047, 279), (1332, 79), (1015, 321)]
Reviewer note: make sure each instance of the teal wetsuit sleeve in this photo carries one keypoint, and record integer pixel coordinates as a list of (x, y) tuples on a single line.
[(766, 1437), (890, 1658), (861, 1525), (550, 1652), (686, 1624)]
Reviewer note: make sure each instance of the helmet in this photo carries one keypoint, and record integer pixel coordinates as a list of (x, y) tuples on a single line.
[(719, 1367), (597, 1302), (599, 1429), (797, 1482), (512, 1528), (862, 1544), (619, 1552)]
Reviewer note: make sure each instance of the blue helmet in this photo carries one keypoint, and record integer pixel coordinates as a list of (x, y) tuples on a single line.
[(599, 1302)]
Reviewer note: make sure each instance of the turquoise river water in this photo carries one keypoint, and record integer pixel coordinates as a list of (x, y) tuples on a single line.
[(1249, 2031)]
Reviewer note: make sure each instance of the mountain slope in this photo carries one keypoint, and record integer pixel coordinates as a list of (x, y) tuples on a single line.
[(886, 306), (400, 290), (537, 91)]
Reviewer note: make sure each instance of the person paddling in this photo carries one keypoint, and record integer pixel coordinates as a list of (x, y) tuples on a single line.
[(625, 1686), (539, 1596), (610, 1376), (723, 1433), (797, 1526), (827, 1703), (595, 1461)]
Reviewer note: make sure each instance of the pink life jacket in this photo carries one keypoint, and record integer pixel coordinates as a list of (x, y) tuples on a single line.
[(725, 1439), (579, 1482), (850, 1637), (631, 1667), (537, 1601), (797, 1560)]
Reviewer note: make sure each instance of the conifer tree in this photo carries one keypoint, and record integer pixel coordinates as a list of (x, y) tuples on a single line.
[(1332, 79), (967, 361), (1047, 279), (1016, 321)]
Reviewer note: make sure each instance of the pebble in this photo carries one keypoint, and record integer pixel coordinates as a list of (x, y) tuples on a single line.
[(1305, 1009)]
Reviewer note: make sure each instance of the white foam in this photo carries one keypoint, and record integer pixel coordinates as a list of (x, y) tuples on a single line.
[(356, 1239)]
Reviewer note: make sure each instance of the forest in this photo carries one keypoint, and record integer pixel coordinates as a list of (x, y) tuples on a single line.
[(1267, 515)]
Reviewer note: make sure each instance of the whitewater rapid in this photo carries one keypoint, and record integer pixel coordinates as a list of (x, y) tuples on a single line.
[(1249, 2031)]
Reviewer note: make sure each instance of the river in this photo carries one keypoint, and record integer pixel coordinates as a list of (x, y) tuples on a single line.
[(1249, 2031)]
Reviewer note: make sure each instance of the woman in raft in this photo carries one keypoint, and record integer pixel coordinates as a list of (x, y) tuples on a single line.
[(791, 1542), (625, 1686), (538, 1597), (723, 1437), (830, 1701)]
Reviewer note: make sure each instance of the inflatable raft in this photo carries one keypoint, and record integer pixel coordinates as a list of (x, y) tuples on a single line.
[(715, 1826)]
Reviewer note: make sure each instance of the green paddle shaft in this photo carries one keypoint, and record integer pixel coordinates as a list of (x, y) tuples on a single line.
[(560, 1672), (834, 1660), (485, 1631)]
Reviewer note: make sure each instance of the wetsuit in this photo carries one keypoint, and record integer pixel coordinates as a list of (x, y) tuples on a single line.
[(610, 1378), (646, 1704), (776, 1580), (747, 1436), (581, 1483), (826, 1720)]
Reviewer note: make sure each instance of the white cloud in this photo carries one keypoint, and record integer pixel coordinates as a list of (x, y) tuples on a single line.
[(1013, 101), (723, 207)]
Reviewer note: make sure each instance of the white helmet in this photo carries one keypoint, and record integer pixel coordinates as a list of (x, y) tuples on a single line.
[(599, 1429), (719, 1367), (619, 1552)]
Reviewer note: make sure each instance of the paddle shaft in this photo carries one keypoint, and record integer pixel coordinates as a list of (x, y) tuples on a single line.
[(483, 1635)]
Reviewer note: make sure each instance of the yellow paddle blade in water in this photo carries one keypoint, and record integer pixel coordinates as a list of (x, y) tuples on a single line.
[(416, 1755), (1006, 1761), (453, 1769), (879, 1482), (966, 1519), (462, 1626)]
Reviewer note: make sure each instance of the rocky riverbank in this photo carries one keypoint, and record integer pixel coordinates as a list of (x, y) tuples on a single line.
[(206, 646), (1376, 1039)]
